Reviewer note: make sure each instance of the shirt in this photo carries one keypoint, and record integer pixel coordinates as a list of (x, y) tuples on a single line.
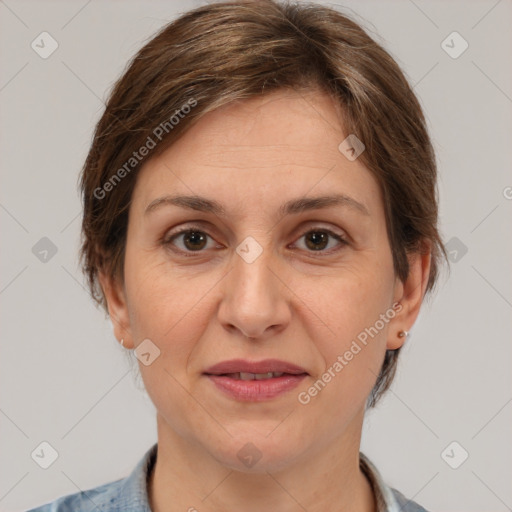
[(130, 494)]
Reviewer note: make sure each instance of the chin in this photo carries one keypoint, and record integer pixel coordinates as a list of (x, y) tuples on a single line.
[(258, 453)]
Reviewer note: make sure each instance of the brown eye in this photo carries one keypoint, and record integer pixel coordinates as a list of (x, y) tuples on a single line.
[(194, 240), (188, 240), (317, 240)]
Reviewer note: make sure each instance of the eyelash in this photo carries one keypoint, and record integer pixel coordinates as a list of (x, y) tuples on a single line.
[(168, 241)]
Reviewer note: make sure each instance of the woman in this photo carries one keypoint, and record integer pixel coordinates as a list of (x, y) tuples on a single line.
[(260, 223)]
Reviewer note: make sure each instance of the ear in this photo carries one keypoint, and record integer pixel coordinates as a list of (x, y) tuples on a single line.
[(115, 295), (410, 295)]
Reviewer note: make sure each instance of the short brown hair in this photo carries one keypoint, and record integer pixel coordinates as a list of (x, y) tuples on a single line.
[(228, 51)]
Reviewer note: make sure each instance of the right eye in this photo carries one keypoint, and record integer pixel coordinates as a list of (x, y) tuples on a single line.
[(188, 240)]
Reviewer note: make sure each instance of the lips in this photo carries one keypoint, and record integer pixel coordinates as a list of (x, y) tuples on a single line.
[(266, 366), (250, 381), (254, 376)]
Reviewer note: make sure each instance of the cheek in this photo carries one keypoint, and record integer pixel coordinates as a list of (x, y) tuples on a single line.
[(349, 303), (151, 288), (167, 307), (351, 338), (169, 310)]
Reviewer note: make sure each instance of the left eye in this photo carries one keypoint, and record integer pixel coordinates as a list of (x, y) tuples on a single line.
[(318, 239), (195, 240)]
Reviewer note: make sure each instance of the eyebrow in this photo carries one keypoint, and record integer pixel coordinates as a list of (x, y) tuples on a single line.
[(294, 206)]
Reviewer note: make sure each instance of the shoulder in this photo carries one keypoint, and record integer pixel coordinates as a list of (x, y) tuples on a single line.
[(405, 504), (388, 499), (101, 498)]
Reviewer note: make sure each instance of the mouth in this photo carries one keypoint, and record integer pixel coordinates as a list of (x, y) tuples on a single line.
[(255, 381), (263, 368), (254, 376)]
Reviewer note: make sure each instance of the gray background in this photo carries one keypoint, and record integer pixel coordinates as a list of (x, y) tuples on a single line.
[(65, 380)]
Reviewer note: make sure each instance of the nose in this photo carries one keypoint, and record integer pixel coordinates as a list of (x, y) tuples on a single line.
[(255, 299)]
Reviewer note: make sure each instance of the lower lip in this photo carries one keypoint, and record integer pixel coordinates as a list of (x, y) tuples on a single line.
[(256, 390)]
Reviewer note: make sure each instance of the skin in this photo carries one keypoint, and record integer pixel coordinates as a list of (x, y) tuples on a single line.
[(292, 303)]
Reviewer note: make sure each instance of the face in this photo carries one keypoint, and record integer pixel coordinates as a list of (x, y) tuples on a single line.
[(263, 276)]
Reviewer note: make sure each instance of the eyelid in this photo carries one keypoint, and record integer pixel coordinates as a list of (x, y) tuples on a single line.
[(168, 238), (342, 239)]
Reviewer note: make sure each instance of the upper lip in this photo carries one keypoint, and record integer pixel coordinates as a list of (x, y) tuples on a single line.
[(263, 366)]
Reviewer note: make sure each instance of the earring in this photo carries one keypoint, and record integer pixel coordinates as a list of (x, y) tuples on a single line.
[(401, 334)]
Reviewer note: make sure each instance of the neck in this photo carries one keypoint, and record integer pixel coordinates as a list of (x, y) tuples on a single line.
[(187, 477)]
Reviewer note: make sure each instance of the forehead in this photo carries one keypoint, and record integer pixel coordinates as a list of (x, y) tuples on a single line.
[(284, 143), (285, 126)]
